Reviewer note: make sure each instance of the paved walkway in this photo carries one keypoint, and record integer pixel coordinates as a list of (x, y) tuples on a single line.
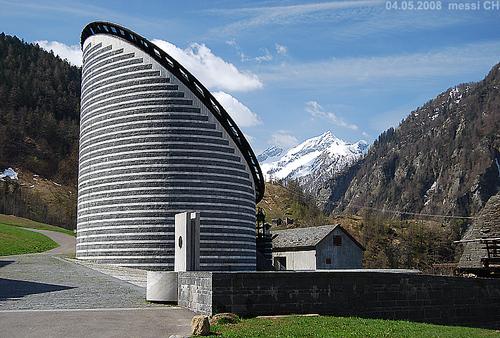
[(49, 295)]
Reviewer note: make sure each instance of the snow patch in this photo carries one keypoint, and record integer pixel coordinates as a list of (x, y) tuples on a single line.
[(498, 166), (10, 173)]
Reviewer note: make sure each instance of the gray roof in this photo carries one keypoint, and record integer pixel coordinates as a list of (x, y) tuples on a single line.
[(487, 225), (301, 237)]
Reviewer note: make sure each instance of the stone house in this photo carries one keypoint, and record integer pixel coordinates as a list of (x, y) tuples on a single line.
[(316, 248)]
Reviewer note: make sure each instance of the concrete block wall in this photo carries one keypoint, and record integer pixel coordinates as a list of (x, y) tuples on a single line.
[(416, 297)]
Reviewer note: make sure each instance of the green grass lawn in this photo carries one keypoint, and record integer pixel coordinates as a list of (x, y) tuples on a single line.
[(15, 241), (27, 223), (327, 326)]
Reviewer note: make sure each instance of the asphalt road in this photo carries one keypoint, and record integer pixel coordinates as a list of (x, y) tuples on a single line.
[(45, 295)]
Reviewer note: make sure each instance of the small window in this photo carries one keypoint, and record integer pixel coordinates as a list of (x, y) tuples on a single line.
[(337, 240), (328, 261), (280, 263)]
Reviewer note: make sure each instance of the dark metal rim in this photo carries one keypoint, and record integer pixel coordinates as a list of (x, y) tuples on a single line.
[(101, 27)]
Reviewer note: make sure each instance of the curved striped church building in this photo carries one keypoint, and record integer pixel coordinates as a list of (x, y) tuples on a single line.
[(154, 142)]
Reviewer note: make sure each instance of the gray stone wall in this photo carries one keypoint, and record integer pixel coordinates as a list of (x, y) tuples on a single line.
[(416, 297)]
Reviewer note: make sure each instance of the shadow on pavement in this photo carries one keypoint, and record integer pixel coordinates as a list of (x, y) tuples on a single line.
[(12, 289), (5, 263)]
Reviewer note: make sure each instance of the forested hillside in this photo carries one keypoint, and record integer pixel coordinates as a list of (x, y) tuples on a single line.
[(39, 111), (39, 126)]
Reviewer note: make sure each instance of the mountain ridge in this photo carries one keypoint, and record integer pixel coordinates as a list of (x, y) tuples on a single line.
[(442, 159)]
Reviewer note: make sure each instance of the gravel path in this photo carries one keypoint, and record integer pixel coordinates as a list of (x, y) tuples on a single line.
[(49, 295), (67, 243)]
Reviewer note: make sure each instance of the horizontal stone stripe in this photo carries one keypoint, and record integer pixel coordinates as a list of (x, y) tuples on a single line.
[(160, 119), (126, 238), (144, 131), (137, 100), (200, 159), (113, 74), (167, 191), (108, 216), (162, 139), (146, 252), (98, 70), (109, 54), (155, 152), (159, 145), (129, 260), (145, 115), (136, 243), (171, 128), (101, 129), (223, 221), (165, 88), (145, 138), (89, 49), (130, 84), (169, 196), (209, 232), (144, 184), (92, 56), (166, 199), (163, 236), (123, 112), (112, 209), (105, 62), (147, 163), (186, 175), (161, 161), (118, 79), (161, 113), (135, 170), (206, 254)]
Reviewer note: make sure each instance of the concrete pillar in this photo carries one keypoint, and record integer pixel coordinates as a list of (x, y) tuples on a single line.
[(187, 241), (162, 286)]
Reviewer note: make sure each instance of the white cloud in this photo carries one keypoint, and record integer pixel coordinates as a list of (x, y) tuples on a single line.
[(315, 109), (240, 113), (355, 71), (282, 15), (72, 54), (283, 139), (210, 69), (281, 49), (266, 57)]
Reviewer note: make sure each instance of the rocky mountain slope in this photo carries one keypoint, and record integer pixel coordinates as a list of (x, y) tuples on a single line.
[(312, 162), (444, 158)]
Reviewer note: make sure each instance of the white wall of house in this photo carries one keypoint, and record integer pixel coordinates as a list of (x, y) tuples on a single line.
[(298, 260)]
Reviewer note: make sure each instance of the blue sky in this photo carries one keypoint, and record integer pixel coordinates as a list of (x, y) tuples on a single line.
[(290, 70)]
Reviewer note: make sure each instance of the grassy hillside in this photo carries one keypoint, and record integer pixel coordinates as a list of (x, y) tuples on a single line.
[(16, 241), (27, 223), (289, 200)]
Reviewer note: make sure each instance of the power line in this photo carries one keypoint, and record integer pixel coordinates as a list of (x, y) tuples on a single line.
[(411, 213), (397, 212)]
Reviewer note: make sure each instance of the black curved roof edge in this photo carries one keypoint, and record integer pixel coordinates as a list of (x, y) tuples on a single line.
[(101, 27)]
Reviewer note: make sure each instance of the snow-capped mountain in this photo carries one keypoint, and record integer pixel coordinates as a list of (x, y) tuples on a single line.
[(316, 159), (271, 154)]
